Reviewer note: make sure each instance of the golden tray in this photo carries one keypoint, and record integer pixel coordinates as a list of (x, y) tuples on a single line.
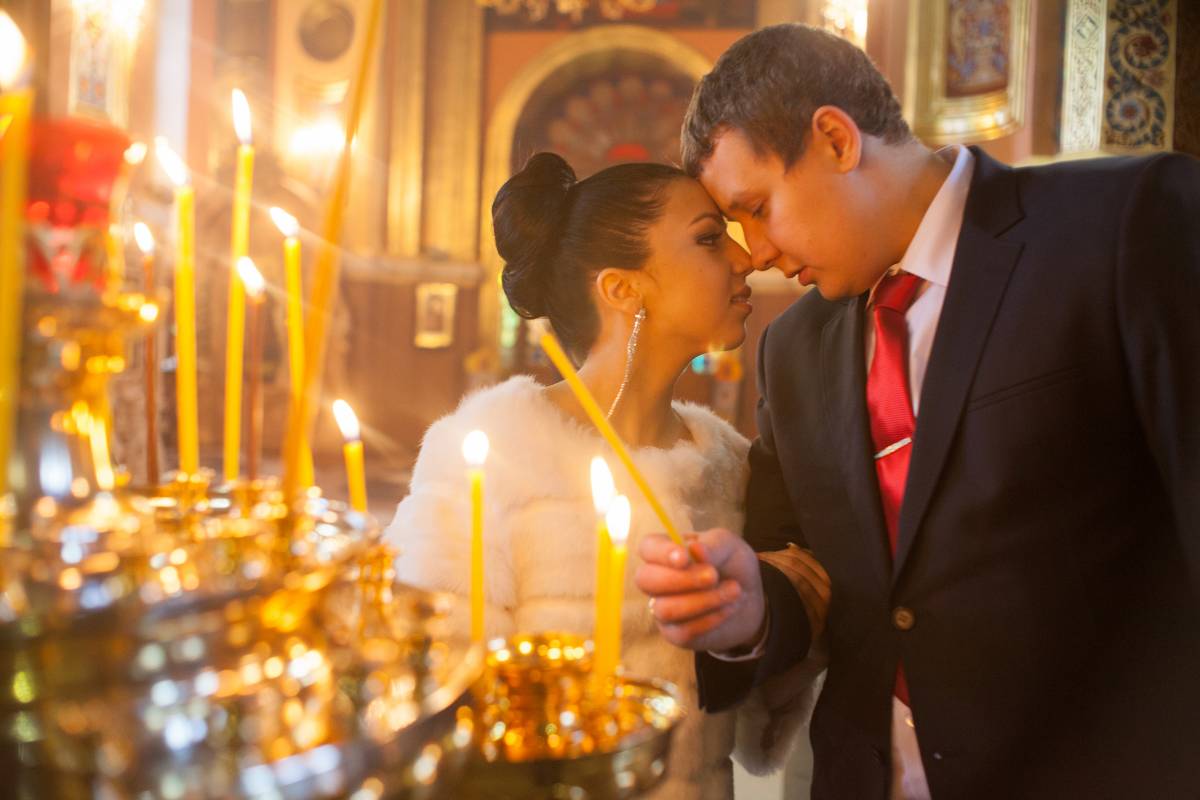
[(547, 727)]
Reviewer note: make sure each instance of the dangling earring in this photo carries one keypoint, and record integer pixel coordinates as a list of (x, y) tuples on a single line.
[(630, 349)]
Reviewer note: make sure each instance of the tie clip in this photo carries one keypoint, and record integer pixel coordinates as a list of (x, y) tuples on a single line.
[(893, 447)]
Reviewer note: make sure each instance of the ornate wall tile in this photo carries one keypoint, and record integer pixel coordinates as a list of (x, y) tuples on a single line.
[(1119, 75)]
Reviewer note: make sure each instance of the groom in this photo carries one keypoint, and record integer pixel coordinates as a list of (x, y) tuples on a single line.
[(985, 426)]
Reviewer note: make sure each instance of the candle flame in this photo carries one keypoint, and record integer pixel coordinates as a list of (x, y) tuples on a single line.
[(12, 51), (603, 488), (143, 237), (286, 223), (241, 116), (252, 279), (136, 153), (347, 420), (617, 518), (475, 448), (172, 164)]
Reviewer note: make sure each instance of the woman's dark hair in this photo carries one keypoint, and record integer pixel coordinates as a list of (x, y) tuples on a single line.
[(769, 83), (555, 233)]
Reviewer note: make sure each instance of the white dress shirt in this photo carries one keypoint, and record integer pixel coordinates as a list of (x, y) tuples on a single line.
[(930, 256)]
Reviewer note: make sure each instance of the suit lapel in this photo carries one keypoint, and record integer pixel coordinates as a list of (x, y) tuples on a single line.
[(982, 267), (843, 390)]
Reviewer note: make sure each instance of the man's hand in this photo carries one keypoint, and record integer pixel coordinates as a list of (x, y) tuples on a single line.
[(712, 602)]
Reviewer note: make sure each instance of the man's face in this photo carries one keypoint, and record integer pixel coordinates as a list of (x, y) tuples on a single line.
[(811, 221)]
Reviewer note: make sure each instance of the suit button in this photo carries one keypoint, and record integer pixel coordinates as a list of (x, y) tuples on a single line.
[(903, 618)]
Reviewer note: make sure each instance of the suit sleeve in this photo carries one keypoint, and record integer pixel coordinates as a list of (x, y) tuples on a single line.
[(770, 525), (1158, 307)]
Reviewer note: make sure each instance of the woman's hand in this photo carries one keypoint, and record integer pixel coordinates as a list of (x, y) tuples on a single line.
[(710, 601)]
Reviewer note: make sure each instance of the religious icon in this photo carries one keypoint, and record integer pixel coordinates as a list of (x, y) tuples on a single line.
[(435, 315)]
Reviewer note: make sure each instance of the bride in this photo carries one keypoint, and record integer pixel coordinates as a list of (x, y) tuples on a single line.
[(637, 276)]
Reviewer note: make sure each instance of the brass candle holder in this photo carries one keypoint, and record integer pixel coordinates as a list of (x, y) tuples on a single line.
[(547, 727)]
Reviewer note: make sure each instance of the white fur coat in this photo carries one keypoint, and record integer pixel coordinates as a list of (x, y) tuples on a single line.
[(540, 544)]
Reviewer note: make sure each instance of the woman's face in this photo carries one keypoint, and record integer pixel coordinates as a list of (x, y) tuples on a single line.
[(696, 295)]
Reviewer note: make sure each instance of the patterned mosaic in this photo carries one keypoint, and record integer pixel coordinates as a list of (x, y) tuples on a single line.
[(977, 46), (1139, 73)]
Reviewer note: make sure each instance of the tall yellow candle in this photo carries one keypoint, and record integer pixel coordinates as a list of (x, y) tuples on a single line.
[(352, 452), (186, 414), (16, 104), (555, 352), (608, 654), (295, 327), (145, 242), (475, 451), (603, 492), (325, 271), (255, 288), (239, 247)]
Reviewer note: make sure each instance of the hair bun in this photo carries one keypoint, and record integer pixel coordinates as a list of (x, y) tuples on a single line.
[(528, 215)]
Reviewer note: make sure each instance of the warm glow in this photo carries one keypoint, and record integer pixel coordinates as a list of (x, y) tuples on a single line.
[(347, 420), (241, 116), (475, 448), (172, 164), (286, 223), (148, 312), (252, 279), (603, 488), (12, 51), (143, 237), (136, 153), (617, 519), (126, 15), (325, 137)]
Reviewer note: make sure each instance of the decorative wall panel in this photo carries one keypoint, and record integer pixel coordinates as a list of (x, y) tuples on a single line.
[(1119, 75)]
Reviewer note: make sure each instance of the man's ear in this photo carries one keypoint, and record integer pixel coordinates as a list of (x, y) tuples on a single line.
[(838, 135), (617, 288)]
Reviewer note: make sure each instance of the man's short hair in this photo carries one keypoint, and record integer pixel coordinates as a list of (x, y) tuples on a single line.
[(769, 83)]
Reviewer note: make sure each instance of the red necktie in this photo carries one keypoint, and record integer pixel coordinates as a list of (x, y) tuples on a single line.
[(889, 405)]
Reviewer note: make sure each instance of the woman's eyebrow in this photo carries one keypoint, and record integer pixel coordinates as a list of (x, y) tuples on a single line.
[(708, 215)]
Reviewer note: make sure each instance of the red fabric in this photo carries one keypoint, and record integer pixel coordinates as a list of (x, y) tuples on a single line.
[(889, 404)]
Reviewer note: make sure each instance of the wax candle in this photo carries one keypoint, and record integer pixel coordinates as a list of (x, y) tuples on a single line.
[(352, 452), (608, 655), (186, 414), (295, 328), (475, 451), (603, 492), (325, 270), (16, 104), (239, 247), (145, 243), (555, 352), (253, 287)]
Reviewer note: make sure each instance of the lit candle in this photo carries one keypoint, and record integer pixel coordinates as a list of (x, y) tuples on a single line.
[(16, 103), (475, 451), (187, 417), (603, 492), (239, 247), (352, 451), (295, 328), (608, 655), (253, 286), (325, 270), (555, 352), (145, 243)]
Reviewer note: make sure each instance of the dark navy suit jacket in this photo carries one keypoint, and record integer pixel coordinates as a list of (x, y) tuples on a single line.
[(1049, 545)]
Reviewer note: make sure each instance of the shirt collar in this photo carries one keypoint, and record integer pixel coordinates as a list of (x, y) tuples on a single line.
[(930, 254)]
